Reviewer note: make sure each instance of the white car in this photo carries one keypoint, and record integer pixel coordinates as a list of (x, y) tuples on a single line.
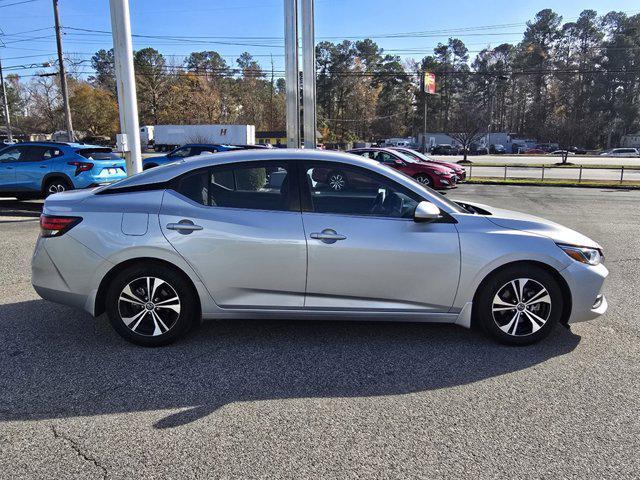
[(6, 141), (621, 152)]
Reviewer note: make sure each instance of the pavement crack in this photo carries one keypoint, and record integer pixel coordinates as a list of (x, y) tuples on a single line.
[(78, 449)]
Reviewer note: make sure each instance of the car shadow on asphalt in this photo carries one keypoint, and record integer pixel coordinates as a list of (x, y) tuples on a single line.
[(58, 363), (16, 208)]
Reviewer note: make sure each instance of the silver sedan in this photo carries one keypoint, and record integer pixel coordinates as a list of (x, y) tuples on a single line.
[(260, 234)]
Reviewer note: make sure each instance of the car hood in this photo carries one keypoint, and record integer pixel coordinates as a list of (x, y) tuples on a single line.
[(452, 166), (536, 225), (433, 167)]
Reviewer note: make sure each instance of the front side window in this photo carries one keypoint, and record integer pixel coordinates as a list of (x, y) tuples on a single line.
[(364, 193), (13, 154), (251, 186)]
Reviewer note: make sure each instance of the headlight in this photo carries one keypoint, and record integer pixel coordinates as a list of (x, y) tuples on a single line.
[(590, 256), (442, 174)]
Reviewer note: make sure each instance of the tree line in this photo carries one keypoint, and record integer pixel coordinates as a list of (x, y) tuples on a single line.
[(572, 82)]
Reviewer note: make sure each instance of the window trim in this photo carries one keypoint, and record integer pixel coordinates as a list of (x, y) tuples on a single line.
[(292, 202), (306, 201)]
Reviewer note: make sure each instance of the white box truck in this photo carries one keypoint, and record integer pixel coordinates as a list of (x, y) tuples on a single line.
[(168, 137)]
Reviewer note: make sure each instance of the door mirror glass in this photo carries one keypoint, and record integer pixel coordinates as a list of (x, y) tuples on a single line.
[(426, 212)]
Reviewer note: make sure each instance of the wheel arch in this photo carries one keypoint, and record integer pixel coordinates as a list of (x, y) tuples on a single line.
[(564, 287), (101, 294), (54, 176)]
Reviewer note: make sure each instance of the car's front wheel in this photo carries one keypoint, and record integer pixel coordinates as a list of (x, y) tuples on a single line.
[(151, 305), (519, 305), (424, 179)]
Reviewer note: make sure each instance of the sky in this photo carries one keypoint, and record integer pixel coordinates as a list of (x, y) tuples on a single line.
[(230, 26)]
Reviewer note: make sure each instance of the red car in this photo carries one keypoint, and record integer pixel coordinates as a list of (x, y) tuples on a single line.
[(459, 170), (429, 174)]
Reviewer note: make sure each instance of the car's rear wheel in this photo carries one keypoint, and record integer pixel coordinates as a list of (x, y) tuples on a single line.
[(337, 181), (151, 305), (56, 185), (519, 305), (424, 179)]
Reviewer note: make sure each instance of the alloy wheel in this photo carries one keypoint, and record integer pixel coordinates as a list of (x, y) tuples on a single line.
[(149, 306), (337, 182), (521, 307), (424, 180), (56, 188)]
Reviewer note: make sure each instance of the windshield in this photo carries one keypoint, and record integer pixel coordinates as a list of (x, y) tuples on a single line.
[(406, 157), (417, 155)]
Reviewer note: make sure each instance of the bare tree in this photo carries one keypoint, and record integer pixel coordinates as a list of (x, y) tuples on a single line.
[(468, 125)]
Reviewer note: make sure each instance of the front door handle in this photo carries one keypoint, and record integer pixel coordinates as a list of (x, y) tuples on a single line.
[(184, 226), (328, 236)]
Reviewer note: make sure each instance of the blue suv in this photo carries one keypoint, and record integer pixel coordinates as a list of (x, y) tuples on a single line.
[(190, 150), (34, 169)]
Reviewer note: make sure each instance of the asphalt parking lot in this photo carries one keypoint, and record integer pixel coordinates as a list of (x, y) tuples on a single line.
[(276, 399)]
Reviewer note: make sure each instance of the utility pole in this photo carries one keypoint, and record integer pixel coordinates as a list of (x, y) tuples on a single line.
[(126, 82), (309, 75), (5, 105), (291, 72), (63, 77)]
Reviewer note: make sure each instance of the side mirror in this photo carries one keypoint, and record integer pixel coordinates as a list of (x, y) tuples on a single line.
[(426, 212), (398, 162)]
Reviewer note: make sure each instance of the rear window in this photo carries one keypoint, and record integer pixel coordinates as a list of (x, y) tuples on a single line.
[(99, 154)]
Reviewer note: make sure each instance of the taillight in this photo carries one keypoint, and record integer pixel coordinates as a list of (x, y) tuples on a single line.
[(54, 226), (81, 166)]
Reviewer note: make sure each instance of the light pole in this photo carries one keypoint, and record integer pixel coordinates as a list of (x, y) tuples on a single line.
[(126, 82)]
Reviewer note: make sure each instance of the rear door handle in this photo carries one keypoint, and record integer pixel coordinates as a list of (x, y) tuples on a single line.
[(184, 226), (328, 236)]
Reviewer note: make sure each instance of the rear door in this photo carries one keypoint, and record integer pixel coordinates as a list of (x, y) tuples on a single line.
[(366, 252), (240, 228)]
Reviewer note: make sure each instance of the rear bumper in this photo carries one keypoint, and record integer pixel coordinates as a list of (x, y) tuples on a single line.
[(585, 283)]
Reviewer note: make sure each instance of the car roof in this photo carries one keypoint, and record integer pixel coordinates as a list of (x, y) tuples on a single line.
[(168, 172), (47, 143)]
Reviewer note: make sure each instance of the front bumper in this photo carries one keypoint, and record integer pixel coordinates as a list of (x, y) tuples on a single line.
[(585, 283)]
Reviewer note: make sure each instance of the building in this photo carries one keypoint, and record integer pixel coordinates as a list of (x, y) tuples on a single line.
[(630, 140), (276, 138)]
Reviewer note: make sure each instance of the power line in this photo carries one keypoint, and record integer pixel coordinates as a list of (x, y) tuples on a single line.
[(17, 3)]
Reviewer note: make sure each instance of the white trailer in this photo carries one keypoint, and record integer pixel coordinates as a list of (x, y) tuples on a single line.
[(168, 137), (146, 136)]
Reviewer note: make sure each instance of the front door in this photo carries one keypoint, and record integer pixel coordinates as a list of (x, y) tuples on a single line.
[(366, 252), (34, 165), (240, 228), (9, 162)]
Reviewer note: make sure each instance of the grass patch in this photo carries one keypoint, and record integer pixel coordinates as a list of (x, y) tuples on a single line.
[(554, 165), (554, 182)]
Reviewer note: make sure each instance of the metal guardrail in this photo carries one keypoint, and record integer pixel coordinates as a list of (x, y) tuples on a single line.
[(544, 169)]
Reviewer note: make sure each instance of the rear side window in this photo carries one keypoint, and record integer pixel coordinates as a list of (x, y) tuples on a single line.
[(263, 186)]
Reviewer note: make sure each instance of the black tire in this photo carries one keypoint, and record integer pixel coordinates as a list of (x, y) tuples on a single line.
[(337, 181), (56, 185), (145, 330), (527, 328), (424, 179)]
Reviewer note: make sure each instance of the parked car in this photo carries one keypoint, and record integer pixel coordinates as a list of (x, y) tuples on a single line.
[(191, 150), (562, 152), (6, 141), (459, 170), (621, 152), (444, 150), (578, 150), (33, 169), (429, 174), (215, 238), (497, 149), (535, 151)]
